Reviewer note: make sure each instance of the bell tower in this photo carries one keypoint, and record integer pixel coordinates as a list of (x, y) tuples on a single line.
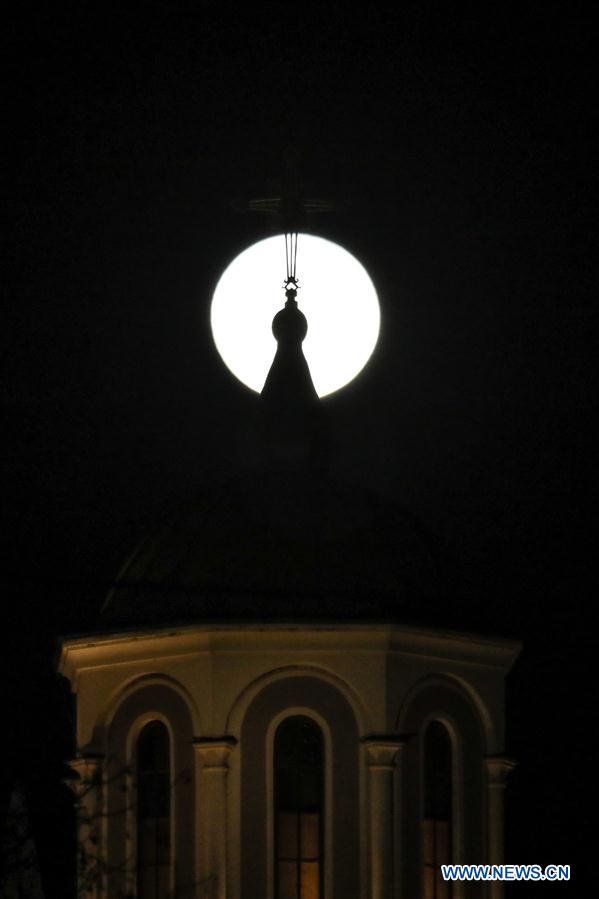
[(273, 703)]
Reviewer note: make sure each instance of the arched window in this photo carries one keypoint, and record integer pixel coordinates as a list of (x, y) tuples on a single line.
[(153, 812), (437, 811), (299, 756)]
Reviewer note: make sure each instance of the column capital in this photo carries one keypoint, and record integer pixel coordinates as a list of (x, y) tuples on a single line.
[(381, 751), (213, 752), (85, 771), (499, 768)]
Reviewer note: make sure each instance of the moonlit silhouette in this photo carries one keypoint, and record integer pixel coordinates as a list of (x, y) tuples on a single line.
[(335, 294)]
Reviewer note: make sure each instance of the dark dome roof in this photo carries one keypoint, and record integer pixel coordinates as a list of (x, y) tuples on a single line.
[(283, 546)]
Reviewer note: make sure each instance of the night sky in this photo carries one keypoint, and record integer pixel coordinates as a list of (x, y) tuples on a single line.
[(460, 148)]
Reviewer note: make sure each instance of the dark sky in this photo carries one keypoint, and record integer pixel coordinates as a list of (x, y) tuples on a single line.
[(461, 148)]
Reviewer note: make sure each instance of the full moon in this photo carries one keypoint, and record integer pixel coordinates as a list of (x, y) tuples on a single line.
[(335, 294)]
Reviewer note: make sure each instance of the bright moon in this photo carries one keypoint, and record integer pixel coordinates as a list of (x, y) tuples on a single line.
[(335, 294)]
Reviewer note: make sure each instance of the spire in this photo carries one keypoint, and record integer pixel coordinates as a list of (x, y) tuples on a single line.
[(289, 384), (290, 404), (290, 409)]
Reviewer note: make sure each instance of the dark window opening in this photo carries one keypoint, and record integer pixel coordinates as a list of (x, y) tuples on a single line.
[(153, 812), (299, 756), (436, 823)]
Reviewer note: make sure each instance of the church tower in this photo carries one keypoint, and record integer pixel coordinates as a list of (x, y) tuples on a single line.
[(268, 710)]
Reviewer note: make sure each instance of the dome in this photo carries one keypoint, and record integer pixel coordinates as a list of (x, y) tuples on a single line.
[(278, 545)]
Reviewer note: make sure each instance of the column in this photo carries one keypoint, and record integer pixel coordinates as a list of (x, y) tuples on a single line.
[(87, 785), (211, 762), (498, 770), (399, 853), (380, 756)]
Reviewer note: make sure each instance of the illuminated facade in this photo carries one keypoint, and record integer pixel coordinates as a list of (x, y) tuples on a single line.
[(231, 815)]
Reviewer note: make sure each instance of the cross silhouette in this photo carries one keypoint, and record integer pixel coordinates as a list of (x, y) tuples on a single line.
[(289, 209)]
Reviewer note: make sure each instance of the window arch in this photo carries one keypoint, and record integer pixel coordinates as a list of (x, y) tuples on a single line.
[(154, 838), (299, 818), (343, 866), (437, 811)]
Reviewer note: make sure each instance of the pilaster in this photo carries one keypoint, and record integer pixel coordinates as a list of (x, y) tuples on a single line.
[(212, 768), (381, 753), (87, 785), (499, 769)]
